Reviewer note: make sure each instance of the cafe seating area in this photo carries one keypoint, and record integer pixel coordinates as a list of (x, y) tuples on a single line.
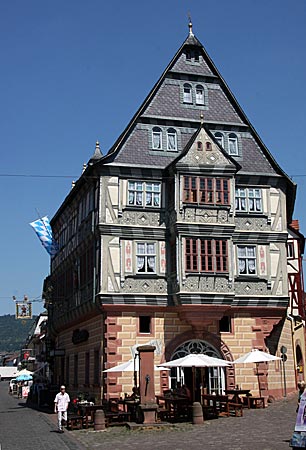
[(116, 411), (171, 407), (220, 405)]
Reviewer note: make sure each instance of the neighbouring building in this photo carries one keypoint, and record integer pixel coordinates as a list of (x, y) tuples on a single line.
[(33, 355), (178, 237)]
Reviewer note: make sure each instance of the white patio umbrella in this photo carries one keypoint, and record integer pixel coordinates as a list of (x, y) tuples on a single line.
[(197, 360), (256, 356), (130, 366)]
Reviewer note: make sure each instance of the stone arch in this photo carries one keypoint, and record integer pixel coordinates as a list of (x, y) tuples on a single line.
[(211, 339)]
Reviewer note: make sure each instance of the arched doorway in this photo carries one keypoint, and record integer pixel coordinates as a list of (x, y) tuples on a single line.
[(202, 379)]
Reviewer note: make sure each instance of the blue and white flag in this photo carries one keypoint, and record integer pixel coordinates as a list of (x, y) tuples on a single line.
[(43, 230)]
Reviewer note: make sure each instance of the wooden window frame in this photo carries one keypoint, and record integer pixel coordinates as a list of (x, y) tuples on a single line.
[(243, 193), (206, 191), (144, 191), (206, 256)]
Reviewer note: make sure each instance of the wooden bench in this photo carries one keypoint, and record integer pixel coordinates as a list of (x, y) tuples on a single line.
[(220, 405), (117, 418), (215, 405), (74, 422)]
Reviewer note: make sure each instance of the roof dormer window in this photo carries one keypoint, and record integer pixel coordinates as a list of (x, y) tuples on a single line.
[(157, 138), (232, 144), (171, 140), (220, 139), (199, 95), (187, 93)]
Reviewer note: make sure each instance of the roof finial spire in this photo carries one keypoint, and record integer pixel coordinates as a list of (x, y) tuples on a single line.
[(202, 117), (190, 25)]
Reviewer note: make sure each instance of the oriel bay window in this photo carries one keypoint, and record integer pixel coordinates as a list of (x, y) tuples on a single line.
[(206, 255), (246, 259), (248, 200), (144, 194), (206, 191), (146, 257)]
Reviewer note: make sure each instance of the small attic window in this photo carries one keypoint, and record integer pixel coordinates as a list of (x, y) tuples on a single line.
[(232, 144), (188, 55), (220, 139), (187, 93), (196, 56), (199, 95), (171, 139), (208, 146), (199, 146)]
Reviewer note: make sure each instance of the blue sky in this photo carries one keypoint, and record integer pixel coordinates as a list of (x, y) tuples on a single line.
[(73, 72)]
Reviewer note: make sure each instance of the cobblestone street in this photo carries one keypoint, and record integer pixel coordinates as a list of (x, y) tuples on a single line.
[(22, 428)]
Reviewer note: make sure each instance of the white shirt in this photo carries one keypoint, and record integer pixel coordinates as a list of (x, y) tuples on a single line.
[(62, 401)]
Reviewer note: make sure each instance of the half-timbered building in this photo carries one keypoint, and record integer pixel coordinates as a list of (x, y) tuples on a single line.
[(177, 237)]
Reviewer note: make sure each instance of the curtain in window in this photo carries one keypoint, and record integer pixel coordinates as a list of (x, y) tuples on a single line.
[(140, 259), (171, 141), (199, 95), (233, 145), (131, 198), (187, 94), (242, 266), (149, 198), (139, 198), (140, 263), (157, 139), (156, 200), (251, 266)]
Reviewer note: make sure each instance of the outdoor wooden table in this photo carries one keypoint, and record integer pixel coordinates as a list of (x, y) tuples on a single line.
[(236, 393), (88, 413), (215, 405), (129, 406), (175, 405)]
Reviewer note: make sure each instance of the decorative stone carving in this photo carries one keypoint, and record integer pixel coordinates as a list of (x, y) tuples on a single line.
[(133, 285), (199, 215), (207, 284), (252, 223), (141, 218), (251, 288)]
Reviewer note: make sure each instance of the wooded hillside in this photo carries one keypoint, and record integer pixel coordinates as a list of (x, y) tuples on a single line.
[(13, 332)]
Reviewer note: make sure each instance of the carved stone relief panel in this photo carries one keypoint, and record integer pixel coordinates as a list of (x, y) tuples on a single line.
[(251, 288), (132, 285), (205, 215), (252, 223), (207, 284), (143, 218)]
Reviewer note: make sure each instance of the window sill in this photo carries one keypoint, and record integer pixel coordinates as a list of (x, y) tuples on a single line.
[(253, 214), (140, 207), (206, 274), (249, 278), (206, 205)]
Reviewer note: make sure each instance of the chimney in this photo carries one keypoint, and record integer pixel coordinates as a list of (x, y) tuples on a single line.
[(295, 225)]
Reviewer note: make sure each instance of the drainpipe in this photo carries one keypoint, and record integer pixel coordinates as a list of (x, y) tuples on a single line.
[(289, 317)]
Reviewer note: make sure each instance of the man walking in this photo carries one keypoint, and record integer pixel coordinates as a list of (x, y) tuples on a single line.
[(61, 403)]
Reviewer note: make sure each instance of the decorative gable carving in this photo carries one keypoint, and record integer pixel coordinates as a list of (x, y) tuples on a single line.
[(204, 151)]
